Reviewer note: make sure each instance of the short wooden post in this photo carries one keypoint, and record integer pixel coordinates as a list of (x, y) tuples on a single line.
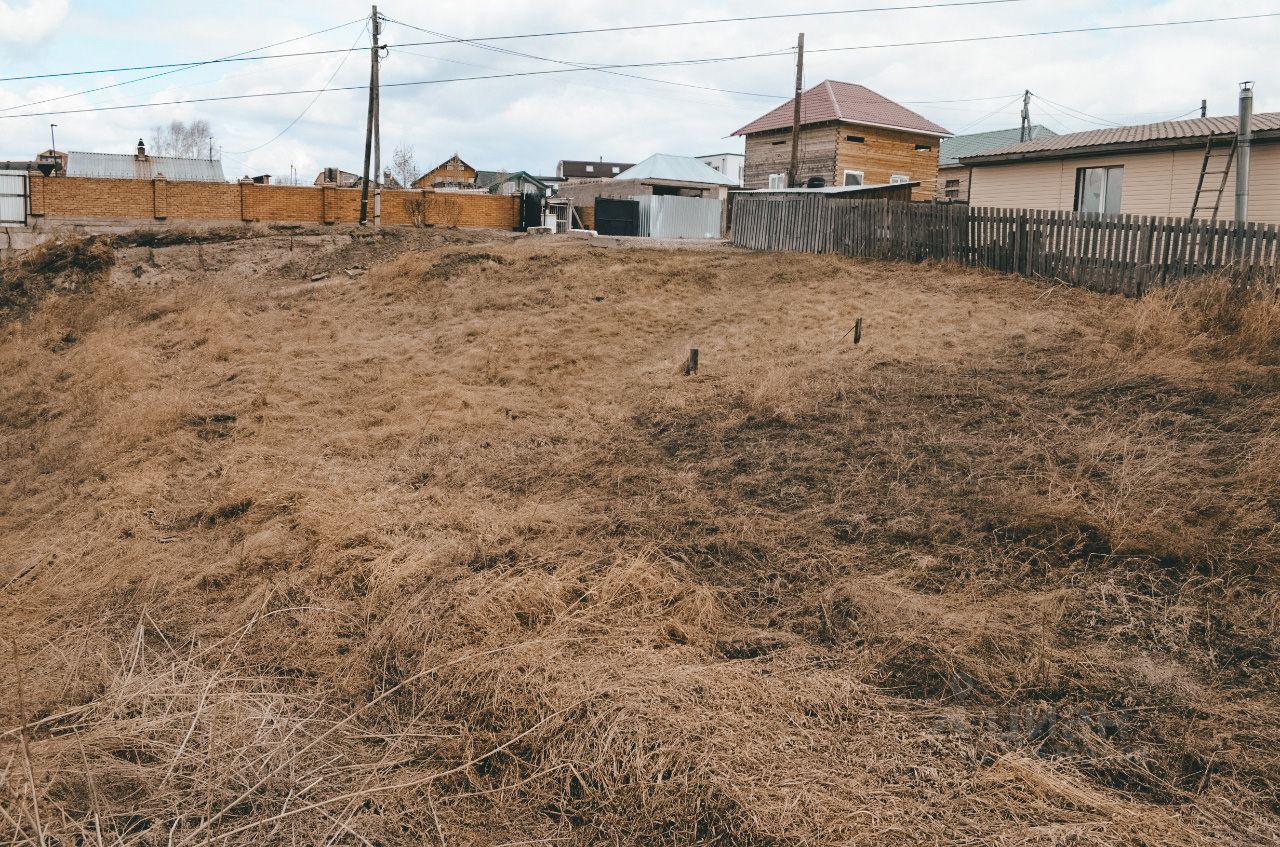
[(691, 364), (857, 330)]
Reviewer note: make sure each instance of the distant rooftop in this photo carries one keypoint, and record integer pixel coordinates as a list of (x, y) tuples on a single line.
[(846, 102), (676, 169), (951, 150), (129, 166)]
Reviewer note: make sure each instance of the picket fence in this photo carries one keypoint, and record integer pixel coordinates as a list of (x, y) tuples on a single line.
[(1126, 254)]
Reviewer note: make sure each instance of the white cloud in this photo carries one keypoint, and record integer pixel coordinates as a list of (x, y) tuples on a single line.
[(25, 23)]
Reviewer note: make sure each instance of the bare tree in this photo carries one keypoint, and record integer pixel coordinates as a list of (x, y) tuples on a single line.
[(191, 141), (404, 166)]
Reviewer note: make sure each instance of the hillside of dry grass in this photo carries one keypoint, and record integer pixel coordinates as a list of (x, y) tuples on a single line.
[(449, 551)]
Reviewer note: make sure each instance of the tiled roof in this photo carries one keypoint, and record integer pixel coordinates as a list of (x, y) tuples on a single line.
[(128, 166), (843, 101), (1195, 128), (951, 150)]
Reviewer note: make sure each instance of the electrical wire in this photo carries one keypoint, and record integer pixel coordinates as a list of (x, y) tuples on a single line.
[(512, 75), (585, 66), (627, 28), (991, 114), (178, 68), (673, 63), (1046, 32), (319, 94)]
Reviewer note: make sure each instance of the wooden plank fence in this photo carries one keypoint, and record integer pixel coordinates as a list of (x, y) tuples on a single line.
[(1125, 254)]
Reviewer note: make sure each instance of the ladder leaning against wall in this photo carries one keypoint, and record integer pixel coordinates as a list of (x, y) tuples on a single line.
[(1213, 156)]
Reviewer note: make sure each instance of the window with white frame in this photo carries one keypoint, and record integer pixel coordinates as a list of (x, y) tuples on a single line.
[(777, 181), (853, 178), (899, 179), (616, 169), (1098, 189), (591, 169)]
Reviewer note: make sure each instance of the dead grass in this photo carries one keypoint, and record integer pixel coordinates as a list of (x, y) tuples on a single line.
[(452, 553)]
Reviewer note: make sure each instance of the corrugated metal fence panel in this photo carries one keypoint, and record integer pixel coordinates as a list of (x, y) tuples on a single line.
[(679, 217), (13, 197)]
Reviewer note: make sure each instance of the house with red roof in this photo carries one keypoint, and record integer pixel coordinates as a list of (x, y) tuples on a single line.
[(849, 136)]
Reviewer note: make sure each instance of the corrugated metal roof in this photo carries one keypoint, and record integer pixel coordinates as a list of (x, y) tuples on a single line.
[(1195, 128), (951, 150), (128, 166), (676, 168), (830, 100)]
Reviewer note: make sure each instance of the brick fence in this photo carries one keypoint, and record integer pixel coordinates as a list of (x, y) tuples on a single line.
[(164, 200)]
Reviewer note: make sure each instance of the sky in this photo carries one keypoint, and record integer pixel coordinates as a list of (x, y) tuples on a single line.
[(1081, 81)]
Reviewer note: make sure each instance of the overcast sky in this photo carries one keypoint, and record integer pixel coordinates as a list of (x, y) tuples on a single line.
[(529, 123)]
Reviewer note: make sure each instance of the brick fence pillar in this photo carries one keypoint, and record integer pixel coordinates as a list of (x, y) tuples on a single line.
[(36, 193), (160, 198), (246, 200), (328, 204)]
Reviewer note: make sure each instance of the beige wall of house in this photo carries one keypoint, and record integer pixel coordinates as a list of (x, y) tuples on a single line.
[(1156, 183)]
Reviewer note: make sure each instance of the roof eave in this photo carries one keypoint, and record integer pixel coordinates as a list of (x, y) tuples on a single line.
[(914, 131), (1157, 145)]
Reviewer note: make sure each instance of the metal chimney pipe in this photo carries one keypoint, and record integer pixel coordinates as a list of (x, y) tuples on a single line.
[(1243, 138)]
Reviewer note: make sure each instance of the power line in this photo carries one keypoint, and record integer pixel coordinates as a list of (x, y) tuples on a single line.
[(176, 68), (671, 63), (585, 66), (1108, 28), (633, 27), (320, 93), (511, 75), (738, 19), (991, 114)]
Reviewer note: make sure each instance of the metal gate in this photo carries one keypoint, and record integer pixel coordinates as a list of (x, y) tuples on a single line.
[(13, 198), (617, 217), (530, 211)]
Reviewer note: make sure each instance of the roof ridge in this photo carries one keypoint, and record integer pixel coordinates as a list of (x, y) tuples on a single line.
[(835, 101)]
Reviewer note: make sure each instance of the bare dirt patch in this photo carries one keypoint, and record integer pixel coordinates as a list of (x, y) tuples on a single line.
[(451, 551)]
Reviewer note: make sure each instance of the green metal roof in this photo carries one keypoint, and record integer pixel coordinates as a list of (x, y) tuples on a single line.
[(952, 150)]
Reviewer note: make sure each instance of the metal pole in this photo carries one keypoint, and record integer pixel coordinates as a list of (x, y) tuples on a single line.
[(368, 129), (53, 145), (1243, 138), (793, 174)]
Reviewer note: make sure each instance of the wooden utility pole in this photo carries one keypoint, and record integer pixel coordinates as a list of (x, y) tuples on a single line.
[(1025, 135), (793, 174), (1204, 108), (377, 159), (373, 114)]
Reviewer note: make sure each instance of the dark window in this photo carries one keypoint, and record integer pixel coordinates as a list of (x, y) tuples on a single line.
[(778, 143), (953, 183), (923, 147), (1098, 189), (856, 139), (953, 192)]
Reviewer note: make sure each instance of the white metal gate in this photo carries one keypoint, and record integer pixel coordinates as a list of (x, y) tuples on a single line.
[(679, 217), (13, 198)]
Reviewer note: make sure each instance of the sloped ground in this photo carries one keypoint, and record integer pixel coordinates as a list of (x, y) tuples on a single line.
[(451, 552)]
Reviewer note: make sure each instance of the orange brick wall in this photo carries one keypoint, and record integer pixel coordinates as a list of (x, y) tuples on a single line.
[(86, 197)]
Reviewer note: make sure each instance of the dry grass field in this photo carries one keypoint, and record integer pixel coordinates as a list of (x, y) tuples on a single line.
[(451, 552)]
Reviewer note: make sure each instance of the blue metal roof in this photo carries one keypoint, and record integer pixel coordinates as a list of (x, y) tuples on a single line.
[(128, 166)]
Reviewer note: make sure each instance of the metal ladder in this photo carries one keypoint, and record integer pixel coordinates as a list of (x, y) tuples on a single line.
[(1217, 193)]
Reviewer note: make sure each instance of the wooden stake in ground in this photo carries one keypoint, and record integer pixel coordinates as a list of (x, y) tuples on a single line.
[(691, 363)]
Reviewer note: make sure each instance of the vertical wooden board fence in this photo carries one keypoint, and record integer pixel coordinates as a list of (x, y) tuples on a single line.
[(1124, 254)]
